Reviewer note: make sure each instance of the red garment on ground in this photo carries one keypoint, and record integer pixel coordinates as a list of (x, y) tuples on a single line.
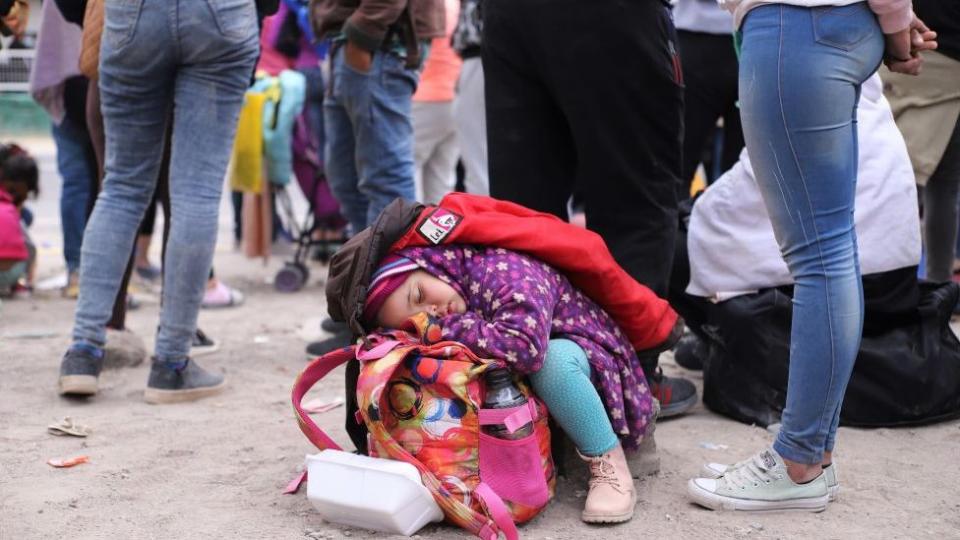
[(581, 255)]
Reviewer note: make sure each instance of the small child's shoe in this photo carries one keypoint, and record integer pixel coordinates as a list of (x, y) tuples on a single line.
[(612, 497)]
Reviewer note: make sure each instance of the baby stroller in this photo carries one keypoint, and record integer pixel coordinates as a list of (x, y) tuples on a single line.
[(321, 229)]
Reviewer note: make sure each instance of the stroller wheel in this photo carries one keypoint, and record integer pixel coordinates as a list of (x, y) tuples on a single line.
[(291, 277)]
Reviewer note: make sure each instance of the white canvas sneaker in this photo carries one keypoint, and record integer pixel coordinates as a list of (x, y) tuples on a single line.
[(716, 470), (759, 484)]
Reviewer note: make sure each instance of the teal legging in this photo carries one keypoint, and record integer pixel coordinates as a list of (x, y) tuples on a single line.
[(564, 384)]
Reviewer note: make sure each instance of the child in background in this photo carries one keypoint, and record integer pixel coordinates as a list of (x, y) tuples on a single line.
[(18, 179), (506, 305)]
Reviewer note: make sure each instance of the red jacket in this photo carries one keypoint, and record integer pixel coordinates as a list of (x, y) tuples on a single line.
[(581, 255), (12, 245)]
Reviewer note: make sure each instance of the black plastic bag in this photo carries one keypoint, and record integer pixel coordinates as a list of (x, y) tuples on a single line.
[(907, 371)]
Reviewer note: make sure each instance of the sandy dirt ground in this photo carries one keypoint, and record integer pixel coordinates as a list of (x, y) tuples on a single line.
[(216, 468)]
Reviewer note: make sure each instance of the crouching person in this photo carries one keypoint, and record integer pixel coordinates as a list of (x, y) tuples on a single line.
[(18, 179)]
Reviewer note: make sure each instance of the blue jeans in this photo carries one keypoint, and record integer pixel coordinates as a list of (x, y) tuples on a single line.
[(194, 57), (800, 76), (74, 155), (369, 136)]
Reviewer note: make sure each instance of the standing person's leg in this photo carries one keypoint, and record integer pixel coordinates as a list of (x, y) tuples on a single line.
[(348, 91), (135, 90), (443, 164), (627, 126), (313, 106), (384, 134), (798, 107), (217, 48), (732, 131), (118, 314), (469, 112), (618, 136), (141, 259), (435, 150), (704, 97), (97, 138), (73, 144), (940, 212), (531, 153)]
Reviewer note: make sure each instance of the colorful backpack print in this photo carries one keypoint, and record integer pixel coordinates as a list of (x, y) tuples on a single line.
[(420, 399)]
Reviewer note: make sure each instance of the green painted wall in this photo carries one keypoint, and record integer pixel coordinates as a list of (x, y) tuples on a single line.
[(20, 115)]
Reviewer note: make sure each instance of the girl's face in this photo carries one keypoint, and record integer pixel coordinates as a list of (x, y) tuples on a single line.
[(421, 293)]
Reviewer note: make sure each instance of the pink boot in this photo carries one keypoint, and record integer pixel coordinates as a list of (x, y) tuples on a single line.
[(612, 496)]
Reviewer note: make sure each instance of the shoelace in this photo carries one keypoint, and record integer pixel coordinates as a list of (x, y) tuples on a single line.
[(737, 465), (752, 472), (602, 472)]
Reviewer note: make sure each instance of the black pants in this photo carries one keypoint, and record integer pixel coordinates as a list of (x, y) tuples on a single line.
[(710, 72), (587, 97)]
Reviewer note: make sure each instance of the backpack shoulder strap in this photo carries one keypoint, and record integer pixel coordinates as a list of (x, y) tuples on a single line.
[(315, 371)]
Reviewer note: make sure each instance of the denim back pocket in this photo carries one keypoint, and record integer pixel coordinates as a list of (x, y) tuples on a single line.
[(236, 19), (843, 27), (120, 21)]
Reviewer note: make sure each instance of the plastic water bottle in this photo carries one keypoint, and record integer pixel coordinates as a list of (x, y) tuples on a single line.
[(503, 394)]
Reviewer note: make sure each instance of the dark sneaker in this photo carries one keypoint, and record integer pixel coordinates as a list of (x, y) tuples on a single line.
[(690, 352), (203, 344), (149, 272), (676, 395), (338, 341), (332, 326), (179, 382), (79, 371)]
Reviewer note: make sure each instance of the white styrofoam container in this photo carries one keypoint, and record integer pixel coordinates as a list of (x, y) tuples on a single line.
[(369, 493)]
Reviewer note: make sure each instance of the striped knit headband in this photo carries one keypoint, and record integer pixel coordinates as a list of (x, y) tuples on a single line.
[(391, 274)]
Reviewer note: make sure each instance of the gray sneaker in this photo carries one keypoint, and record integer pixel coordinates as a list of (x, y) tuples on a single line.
[(759, 484), (716, 470), (79, 372), (645, 460), (191, 382)]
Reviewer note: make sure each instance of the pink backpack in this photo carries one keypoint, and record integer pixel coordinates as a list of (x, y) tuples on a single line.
[(421, 400)]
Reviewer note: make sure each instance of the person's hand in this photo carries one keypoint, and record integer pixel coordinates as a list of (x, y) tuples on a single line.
[(921, 37), (16, 20), (357, 57), (903, 48)]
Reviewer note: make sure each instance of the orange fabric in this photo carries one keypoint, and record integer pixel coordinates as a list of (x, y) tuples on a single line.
[(438, 81), (579, 254), (92, 32)]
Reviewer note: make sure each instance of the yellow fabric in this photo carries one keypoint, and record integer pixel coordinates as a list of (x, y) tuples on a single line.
[(246, 171)]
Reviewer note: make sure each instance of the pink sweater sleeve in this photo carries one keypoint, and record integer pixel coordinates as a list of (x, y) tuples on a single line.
[(894, 15)]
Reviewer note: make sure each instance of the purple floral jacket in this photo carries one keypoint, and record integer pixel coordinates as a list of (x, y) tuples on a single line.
[(516, 304)]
